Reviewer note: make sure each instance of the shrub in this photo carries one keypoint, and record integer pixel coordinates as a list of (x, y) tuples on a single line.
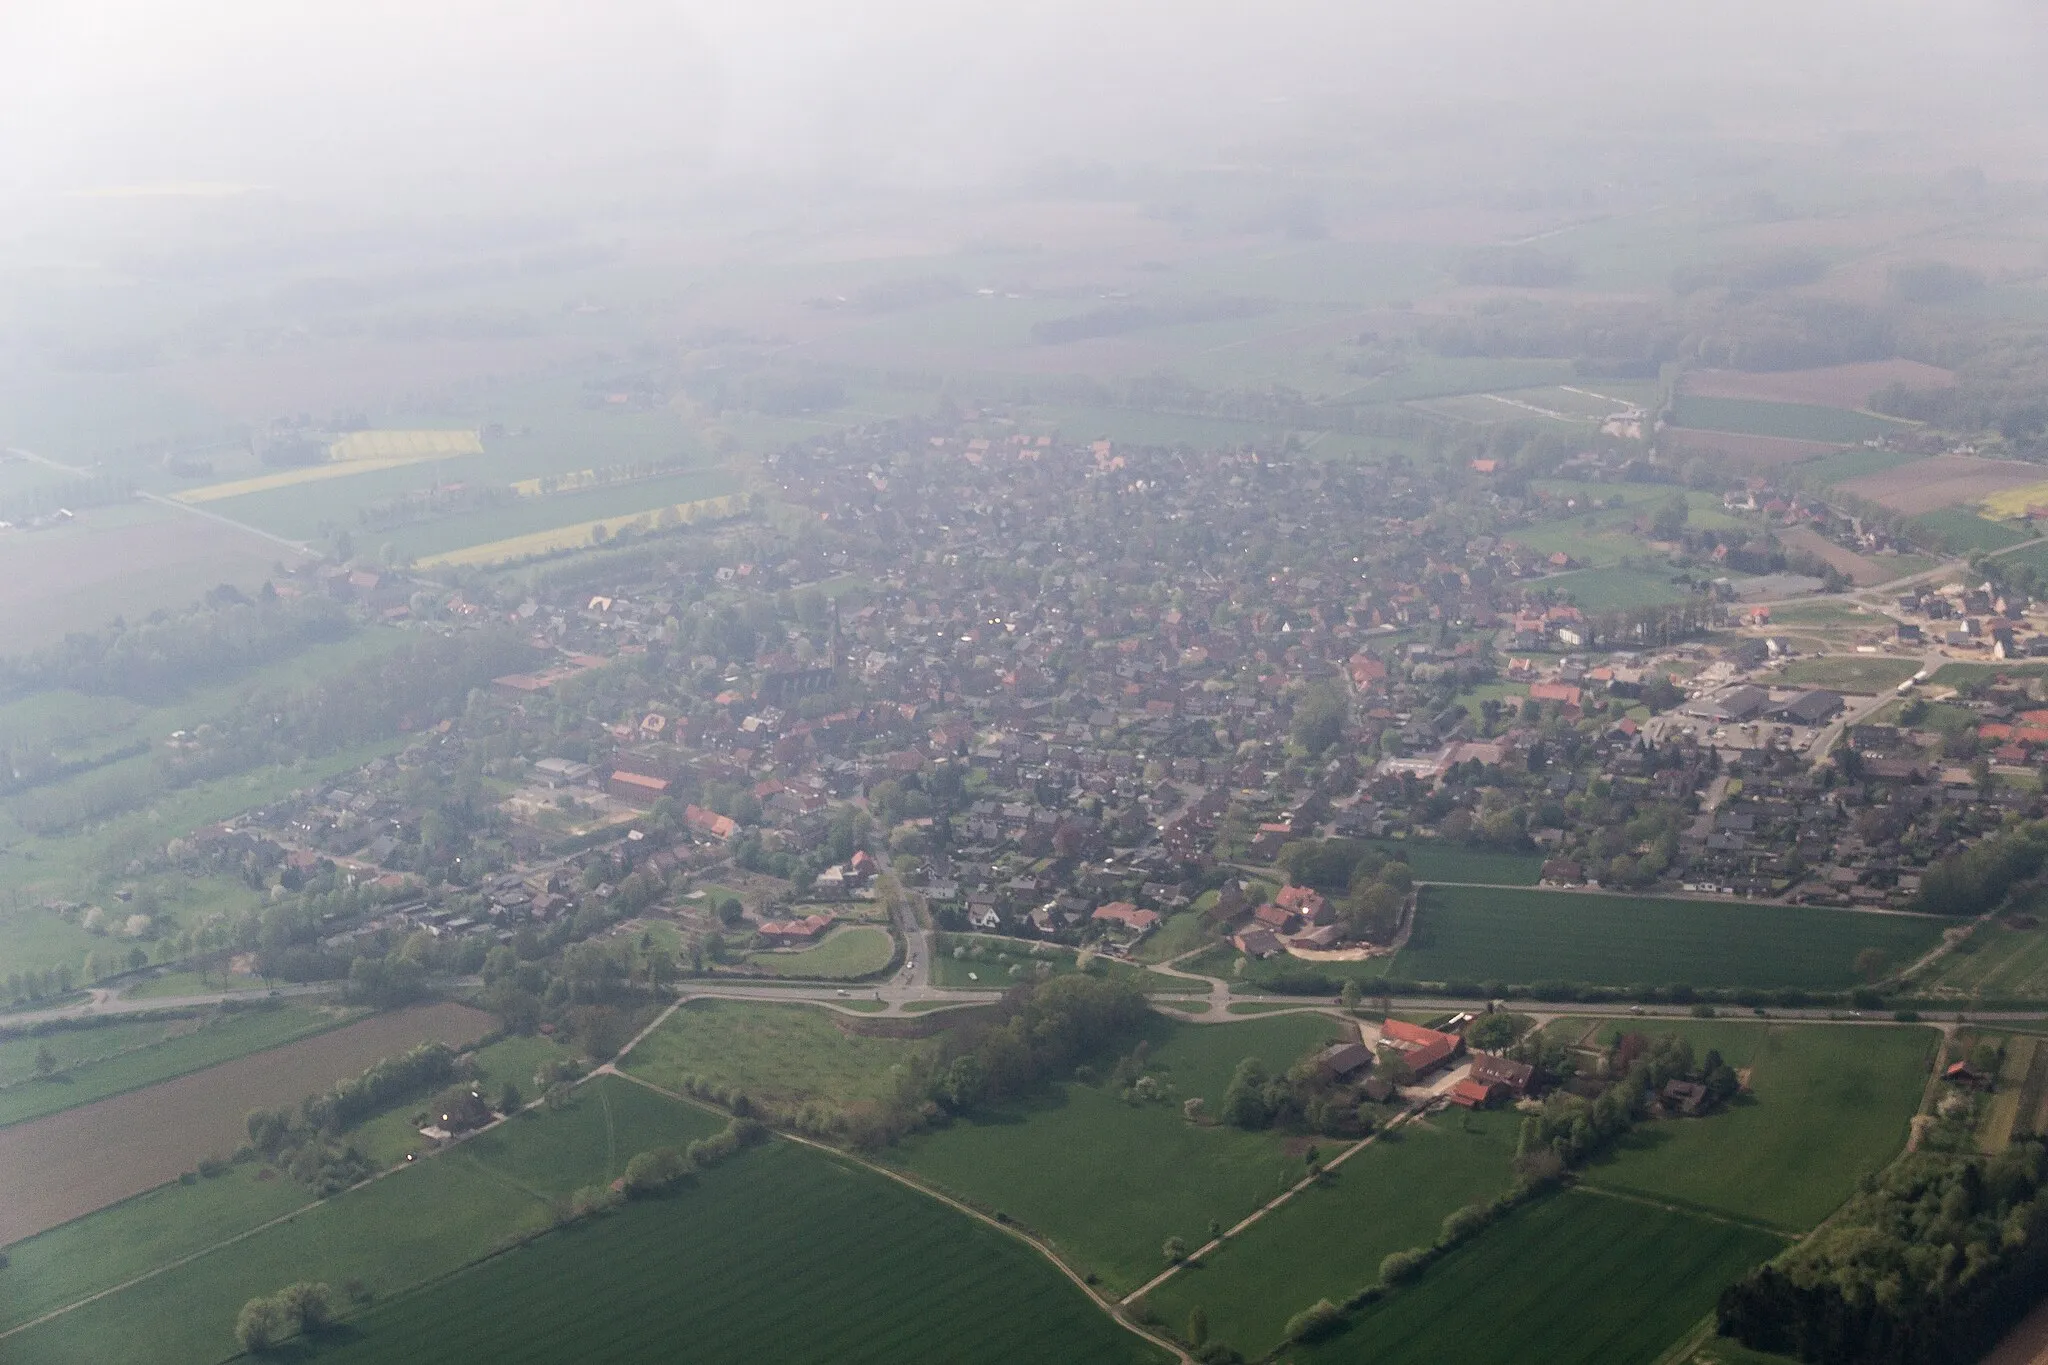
[(1314, 1321), (1463, 1223), (261, 1324), (1400, 1267)]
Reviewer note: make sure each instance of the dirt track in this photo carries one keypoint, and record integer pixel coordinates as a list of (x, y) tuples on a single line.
[(67, 1165)]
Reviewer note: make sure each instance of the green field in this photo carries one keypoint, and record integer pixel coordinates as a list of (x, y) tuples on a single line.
[(1433, 861), (1616, 588), (1797, 421), (1844, 465), (1826, 1105), (993, 962), (780, 1053), (1328, 1241), (1850, 673), (844, 955), (1962, 675), (414, 1226), (1486, 934), (712, 1274), (1995, 963), (1962, 531), (1106, 1182), (223, 1038), (1577, 1279)]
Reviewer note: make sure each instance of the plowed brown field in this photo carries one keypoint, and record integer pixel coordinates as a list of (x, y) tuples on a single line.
[(1943, 481), (62, 1167)]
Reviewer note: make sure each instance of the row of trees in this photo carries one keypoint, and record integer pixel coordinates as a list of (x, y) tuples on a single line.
[(305, 1141)]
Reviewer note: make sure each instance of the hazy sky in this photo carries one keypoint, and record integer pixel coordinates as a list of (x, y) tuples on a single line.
[(96, 93)]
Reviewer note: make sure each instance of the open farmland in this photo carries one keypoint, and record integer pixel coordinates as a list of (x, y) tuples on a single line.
[(417, 1224), (1577, 1279), (1941, 481), (1105, 1182), (1743, 448), (1825, 1105), (1465, 933), (1962, 531), (887, 1276), (125, 560), (1831, 386), (1861, 570), (127, 1063), (1328, 1241), (87, 1157), (575, 535), (1789, 421)]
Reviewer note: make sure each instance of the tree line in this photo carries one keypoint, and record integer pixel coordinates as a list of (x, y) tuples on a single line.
[(1931, 1264)]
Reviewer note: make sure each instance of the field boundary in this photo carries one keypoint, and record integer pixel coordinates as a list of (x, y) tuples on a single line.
[(949, 1201), (168, 1076)]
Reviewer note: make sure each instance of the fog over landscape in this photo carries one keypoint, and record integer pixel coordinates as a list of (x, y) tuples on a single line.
[(1133, 682)]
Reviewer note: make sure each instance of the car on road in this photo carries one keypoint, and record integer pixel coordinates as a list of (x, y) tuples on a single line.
[(845, 993)]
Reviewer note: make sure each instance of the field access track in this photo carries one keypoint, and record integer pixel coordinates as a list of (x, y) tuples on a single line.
[(58, 1168)]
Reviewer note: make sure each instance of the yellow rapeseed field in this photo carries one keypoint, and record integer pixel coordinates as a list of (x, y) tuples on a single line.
[(583, 533)]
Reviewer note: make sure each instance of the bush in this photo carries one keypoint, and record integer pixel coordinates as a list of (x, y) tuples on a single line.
[(1400, 1267), (261, 1324), (1314, 1321), (1465, 1222)]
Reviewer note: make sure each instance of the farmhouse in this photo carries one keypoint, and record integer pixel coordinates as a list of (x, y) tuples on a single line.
[(1424, 1049), (1342, 1061), (1512, 1076), (1257, 942)]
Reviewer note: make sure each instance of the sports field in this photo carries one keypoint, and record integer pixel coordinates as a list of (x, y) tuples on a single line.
[(1105, 1181), (711, 1274), (1826, 1104), (844, 954), (1328, 1241), (1494, 934), (1577, 1279), (780, 1053)]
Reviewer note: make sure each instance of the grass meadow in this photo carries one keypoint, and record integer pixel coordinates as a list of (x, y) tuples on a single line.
[(844, 955), (1996, 962), (1616, 588), (1850, 673), (1795, 421), (134, 1064), (780, 1053), (1826, 1104), (1328, 1241), (992, 962), (1493, 934), (1105, 1181), (784, 1254), (1961, 530), (1576, 1279)]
